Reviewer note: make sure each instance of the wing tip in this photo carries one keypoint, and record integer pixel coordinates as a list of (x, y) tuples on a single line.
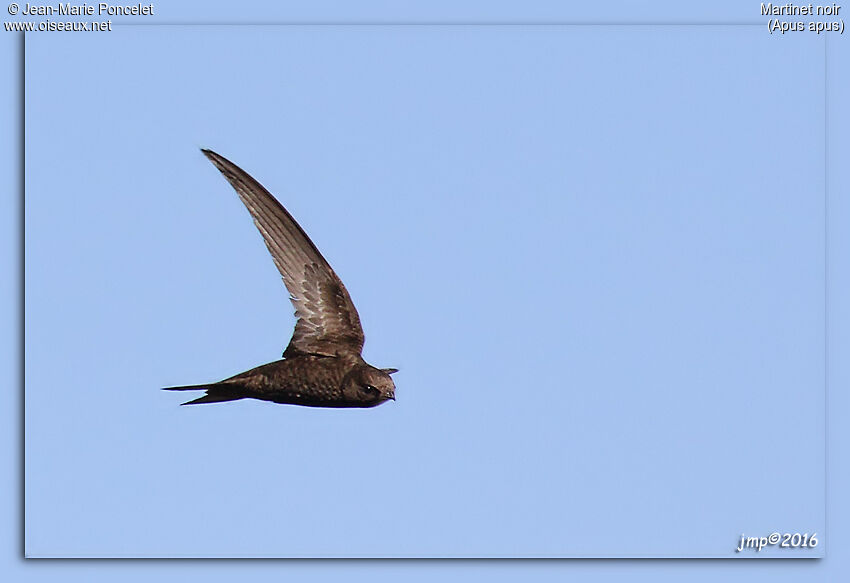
[(210, 154), (230, 170)]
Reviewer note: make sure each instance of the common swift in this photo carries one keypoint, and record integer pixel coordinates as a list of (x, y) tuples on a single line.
[(322, 365)]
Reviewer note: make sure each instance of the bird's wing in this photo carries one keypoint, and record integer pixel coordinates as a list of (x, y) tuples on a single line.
[(326, 320)]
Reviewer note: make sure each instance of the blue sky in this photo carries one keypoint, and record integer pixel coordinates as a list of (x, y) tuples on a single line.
[(595, 253)]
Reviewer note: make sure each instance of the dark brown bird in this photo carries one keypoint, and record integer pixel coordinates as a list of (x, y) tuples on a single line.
[(322, 366)]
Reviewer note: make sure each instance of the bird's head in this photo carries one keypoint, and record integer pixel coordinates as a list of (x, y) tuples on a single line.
[(369, 385)]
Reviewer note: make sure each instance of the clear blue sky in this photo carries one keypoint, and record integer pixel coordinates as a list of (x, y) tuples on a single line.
[(596, 253)]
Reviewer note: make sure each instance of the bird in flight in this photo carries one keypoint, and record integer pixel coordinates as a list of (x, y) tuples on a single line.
[(322, 365)]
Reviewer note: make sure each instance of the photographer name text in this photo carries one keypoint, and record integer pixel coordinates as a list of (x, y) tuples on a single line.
[(99, 9)]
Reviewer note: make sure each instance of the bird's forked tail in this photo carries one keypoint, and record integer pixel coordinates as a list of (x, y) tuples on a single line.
[(216, 393)]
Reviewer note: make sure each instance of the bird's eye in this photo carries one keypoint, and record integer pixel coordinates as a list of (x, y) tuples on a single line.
[(370, 389)]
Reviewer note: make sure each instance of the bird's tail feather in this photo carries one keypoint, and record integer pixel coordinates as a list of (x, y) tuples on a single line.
[(216, 393)]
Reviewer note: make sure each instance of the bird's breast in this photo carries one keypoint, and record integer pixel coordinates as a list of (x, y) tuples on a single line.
[(307, 380)]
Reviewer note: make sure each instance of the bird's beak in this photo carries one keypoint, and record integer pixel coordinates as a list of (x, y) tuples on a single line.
[(391, 396)]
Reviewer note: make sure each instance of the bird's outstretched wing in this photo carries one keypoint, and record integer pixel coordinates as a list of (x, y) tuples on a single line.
[(327, 322)]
